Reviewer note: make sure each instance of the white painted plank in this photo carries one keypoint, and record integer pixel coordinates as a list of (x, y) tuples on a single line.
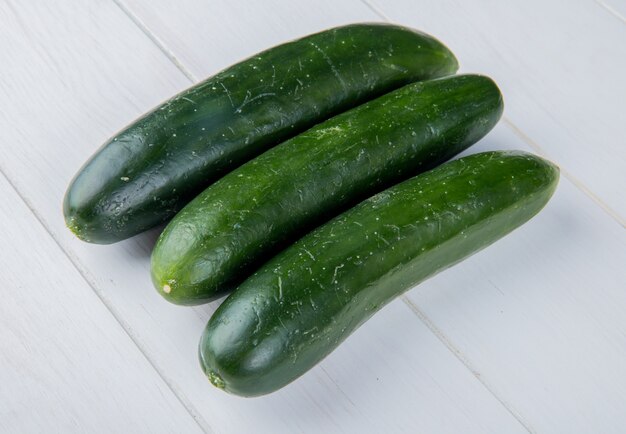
[(540, 314), (207, 37), (98, 73), (65, 363), (561, 66)]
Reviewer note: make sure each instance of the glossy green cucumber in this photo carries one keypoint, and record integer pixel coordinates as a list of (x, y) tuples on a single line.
[(305, 301), (142, 176), (214, 242)]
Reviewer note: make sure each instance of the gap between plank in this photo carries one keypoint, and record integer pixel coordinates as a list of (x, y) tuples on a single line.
[(571, 178), (155, 39), (376, 11), (612, 11), (204, 426), (459, 356)]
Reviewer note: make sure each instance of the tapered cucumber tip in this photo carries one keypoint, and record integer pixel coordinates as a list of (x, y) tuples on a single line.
[(453, 62), (70, 222), (77, 229), (449, 62), (216, 380), (487, 82), (82, 224), (165, 287), (71, 216), (545, 172), (177, 292)]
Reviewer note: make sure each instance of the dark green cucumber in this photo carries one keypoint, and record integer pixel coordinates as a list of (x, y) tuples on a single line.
[(305, 301), (148, 171), (215, 241)]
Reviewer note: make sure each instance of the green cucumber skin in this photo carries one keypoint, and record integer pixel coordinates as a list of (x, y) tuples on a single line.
[(217, 239), (142, 176), (305, 301)]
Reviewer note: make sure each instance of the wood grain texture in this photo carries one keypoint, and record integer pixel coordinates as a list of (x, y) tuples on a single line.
[(65, 363), (61, 96), (561, 67)]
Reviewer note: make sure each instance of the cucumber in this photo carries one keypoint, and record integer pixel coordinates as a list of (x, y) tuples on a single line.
[(305, 301), (142, 176), (219, 237)]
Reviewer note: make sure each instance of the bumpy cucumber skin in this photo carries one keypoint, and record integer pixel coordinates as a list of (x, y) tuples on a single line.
[(142, 176), (305, 301), (236, 223)]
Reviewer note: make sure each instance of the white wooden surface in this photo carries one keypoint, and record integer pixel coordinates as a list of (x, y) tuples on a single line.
[(527, 336), (66, 364)]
